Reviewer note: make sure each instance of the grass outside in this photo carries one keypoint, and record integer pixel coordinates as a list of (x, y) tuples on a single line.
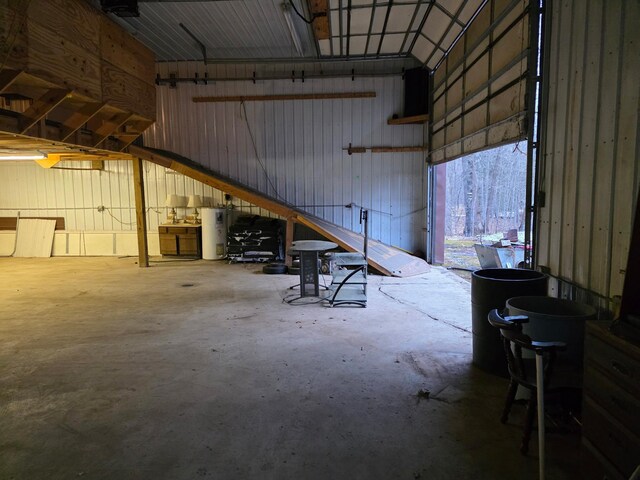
[(459, 253)]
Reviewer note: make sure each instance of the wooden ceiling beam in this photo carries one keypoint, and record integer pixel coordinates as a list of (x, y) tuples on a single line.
[(109, 127), (7, 77), (41, 107), (320, 12), (75, 119), (127, 138)]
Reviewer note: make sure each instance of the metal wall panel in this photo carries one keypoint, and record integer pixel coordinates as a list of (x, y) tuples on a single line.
[(589, 172), (301, 144), (33, 191)]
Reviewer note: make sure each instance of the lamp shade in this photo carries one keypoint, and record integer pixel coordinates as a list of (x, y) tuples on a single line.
[(194, 201), (172, 200)]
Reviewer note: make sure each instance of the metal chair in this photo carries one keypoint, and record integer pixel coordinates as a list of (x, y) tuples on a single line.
[(560, 380)]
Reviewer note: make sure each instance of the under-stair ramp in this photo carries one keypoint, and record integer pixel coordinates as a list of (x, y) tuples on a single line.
[(386, 259)]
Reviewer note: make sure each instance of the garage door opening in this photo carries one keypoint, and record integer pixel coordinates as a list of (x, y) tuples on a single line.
[(484, 209)]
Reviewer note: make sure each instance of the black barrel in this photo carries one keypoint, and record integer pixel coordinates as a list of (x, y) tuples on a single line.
[(491, 288)]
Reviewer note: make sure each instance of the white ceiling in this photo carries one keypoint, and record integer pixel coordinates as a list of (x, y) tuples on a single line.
[(257, 29)]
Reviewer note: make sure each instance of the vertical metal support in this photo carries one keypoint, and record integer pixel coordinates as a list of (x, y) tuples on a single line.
[(141, 213), (364, 218), (431, 220), (288, 240), (430, 181), (534, 102), (540, 402), (438, 212)]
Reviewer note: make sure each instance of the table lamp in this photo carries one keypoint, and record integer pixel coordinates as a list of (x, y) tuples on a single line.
[(172, 202), (194, 202)]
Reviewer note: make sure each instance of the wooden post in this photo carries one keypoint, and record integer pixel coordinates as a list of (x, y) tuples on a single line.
[(288, 240), (141, 214)]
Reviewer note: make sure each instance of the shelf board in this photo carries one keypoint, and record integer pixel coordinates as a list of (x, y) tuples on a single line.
[(349, 293), (348, 259), (340, 275), (414, 119)]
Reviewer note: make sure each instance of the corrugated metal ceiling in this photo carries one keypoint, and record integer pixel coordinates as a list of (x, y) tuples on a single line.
[(261, 29)]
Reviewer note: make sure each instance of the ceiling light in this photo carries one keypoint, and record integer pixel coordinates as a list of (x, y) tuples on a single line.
[(286, 11), (18, 156)]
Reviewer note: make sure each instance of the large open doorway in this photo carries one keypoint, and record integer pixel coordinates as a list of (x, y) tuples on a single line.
[(484, 209)]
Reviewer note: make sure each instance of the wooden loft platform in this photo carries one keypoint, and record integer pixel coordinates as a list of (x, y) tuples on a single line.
[(413, 120), (384, 258), (71, 79)]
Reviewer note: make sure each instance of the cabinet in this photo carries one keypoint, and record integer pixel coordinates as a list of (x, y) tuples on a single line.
[(182, 240), (611, 423), (349, 280)]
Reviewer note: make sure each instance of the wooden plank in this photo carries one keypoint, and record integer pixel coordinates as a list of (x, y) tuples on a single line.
[(299, 96), (384, 258), (126, 92), (201, 174), (415, 119), (7, 77), (110, 126), (13, 35), (120, 49), (41, 107), (76, 118), (74, 20), (127, 139), (351, 150), (413, 149), (320, 10), (141, 215), (9, 223), (387, 259), (62, 62), (288, 239)]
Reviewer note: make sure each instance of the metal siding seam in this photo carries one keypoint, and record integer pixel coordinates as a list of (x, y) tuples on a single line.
[(566, 149), (604, 168), (621, 219), (551, 132), (576, 260)]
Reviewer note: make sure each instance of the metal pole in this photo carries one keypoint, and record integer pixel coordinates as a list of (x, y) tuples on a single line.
[(364, 217), (540, 400)]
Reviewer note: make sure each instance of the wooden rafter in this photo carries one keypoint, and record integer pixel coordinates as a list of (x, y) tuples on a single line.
[(320, 11), (384, 149), (109, 127), (388, 260), (298, 96), (415, 119), (41, 107), (74, 120), (7, 77), (127, 138)]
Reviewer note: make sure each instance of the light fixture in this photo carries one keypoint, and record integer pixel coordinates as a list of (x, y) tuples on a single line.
[(286, 11), (25, 156), (194, 202), (172, 202)]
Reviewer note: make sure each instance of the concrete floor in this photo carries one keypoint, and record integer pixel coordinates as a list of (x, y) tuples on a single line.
[(192, 370)]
